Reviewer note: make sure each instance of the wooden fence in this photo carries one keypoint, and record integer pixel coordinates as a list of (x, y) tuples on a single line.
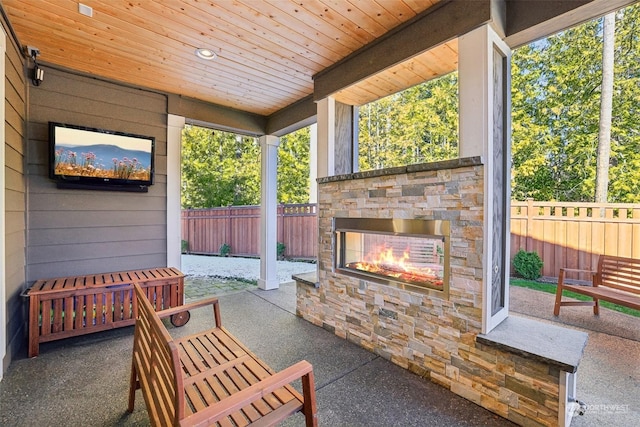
[(572, 235), (206, 230), (568, 235)]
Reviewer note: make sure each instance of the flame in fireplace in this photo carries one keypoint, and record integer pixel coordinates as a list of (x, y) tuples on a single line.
[(384, 263)]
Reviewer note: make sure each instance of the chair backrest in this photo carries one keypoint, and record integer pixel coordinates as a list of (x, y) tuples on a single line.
[(620, 273), (157, 362)]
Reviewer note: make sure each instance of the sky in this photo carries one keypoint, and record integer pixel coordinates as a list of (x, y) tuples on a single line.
[(83, 138)]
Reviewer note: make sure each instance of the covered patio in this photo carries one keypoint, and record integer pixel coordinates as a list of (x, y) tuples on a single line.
[(83, 381), (138, 68)]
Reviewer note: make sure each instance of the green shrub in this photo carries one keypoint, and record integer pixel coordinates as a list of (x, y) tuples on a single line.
[(280, 250), (184, 246), (225, 249), (527, 264)]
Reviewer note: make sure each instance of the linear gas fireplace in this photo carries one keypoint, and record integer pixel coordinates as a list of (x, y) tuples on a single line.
[(411, 254)]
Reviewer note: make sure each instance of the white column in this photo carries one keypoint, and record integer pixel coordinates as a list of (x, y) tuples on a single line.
[(175, 124), (484, 114), (268, 212), (313, 164), (326, 125)]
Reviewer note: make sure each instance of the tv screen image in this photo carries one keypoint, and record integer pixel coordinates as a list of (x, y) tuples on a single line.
[(94, 156)]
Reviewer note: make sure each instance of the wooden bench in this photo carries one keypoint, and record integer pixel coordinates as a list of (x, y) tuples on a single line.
[(64, 307), (616, 280), (210, 378)]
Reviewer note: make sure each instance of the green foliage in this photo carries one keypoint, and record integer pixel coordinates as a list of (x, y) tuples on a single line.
[(225, 249), (555, 114), (280, 248), (527, 264), (184, 246), (293, 167), (223, 169), (219, 169), (417, 125)]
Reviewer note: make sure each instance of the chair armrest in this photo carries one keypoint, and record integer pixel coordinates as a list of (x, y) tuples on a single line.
[(577, 270), (242, 398), (193, 305), (574, 270)]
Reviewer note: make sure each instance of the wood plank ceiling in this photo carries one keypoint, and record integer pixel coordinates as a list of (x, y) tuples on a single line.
[(268, 50)]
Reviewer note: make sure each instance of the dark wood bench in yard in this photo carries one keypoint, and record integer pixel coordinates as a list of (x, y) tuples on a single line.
[(617, 280), (210, 378), (64, 307)]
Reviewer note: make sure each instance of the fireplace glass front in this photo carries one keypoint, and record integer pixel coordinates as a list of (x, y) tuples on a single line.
[(411, 254)]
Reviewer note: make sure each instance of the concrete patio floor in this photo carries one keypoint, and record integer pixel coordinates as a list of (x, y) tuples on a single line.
[(83, 381)]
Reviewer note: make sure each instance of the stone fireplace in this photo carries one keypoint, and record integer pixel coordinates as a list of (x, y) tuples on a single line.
[(429, 318)]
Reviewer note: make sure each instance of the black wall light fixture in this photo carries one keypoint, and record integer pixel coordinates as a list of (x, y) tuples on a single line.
[(37, 74)]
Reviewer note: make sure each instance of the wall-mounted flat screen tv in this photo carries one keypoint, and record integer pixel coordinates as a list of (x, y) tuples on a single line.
[(84, 157)]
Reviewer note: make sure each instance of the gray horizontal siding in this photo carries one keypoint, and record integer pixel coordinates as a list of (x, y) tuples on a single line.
[(92, 251), (74, 232), (91, 266), (15, 200), (76, 235), (89, 219)]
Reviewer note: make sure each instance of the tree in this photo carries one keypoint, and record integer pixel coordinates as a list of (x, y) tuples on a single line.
[(554, 116), (606, 102), (417, 125), (219, 169), (556, 85), (624, 169), (293, 167), (223, 169)]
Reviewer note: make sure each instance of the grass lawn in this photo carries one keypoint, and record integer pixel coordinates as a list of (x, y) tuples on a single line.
[(551, 289)]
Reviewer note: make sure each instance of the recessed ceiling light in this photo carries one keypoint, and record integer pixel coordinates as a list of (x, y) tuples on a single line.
[(204, 53), (85, 10)]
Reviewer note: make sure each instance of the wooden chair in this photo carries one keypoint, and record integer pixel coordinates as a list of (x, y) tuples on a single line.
[(210, 378)]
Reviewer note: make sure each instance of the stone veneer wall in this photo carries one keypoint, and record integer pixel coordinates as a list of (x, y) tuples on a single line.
[(430, 336)]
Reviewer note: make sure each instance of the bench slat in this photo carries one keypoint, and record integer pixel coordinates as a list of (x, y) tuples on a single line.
[(278, 415), (632, 301), (241, 383), (279, 396), (69, 313)]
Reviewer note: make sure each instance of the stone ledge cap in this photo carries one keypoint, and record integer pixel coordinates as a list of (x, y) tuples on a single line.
[(310, 279), (537, 340), (422, 167)]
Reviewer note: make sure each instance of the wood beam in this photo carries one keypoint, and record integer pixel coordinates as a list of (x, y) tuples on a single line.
[(223, 118), (300, 114), (443, 22)]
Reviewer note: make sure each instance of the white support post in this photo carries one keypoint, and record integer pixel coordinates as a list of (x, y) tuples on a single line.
[(326, 137), (313, 164), (268, 212), (485, 111), (175, 125), (568, 405)]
